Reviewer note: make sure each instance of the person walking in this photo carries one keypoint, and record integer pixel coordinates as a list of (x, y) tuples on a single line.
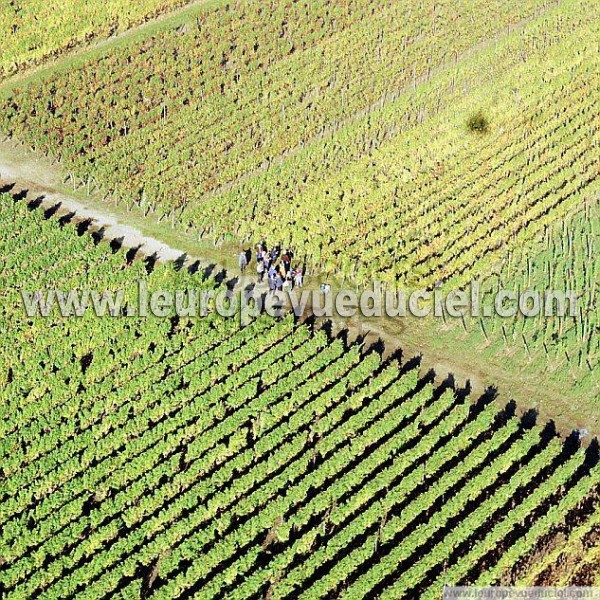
[(285, 259), (279, 282), (242, 261), (298, 277), (260, 269)]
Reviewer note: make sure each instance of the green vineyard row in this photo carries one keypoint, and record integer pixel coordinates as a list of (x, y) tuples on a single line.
[(171, 457)]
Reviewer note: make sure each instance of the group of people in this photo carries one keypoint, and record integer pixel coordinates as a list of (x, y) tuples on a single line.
[(277, 267)]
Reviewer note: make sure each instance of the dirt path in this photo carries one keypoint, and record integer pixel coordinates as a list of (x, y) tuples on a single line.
[(26, 171), (40, 179), (39, 182), (34, 181), (129, 237)]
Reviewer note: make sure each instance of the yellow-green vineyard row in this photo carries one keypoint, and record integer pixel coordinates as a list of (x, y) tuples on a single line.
[(35, 30), (340, 129)]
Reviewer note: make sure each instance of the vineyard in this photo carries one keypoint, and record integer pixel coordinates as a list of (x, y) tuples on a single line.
[(263, 116), (176, 457), (578, 551), (424, 145), (558, 353), (25, 26), (566, 258)]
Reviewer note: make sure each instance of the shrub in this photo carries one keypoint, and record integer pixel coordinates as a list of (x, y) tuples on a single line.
[(478, 122)]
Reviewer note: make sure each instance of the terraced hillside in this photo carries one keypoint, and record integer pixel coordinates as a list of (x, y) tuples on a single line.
[(168, 457), (339, 128)]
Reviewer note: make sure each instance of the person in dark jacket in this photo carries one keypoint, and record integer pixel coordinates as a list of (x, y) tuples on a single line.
[(279, 282)]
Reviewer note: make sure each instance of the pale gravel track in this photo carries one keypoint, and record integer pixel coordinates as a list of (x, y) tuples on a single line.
[(41, 178), (33, 176)]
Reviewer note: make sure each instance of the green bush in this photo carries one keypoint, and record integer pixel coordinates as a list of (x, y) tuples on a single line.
[(478, 122)]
